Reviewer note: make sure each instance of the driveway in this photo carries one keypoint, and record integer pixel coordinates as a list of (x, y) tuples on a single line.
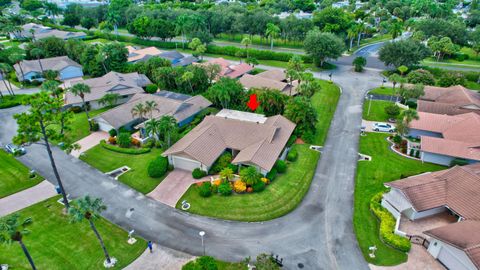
[(172, 188), (161, 258), (418, 259), (27, 197), (89, 142)]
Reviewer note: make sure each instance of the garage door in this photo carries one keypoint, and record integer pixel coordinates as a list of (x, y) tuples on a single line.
[(450, 261), (185, 164), (102, 125)]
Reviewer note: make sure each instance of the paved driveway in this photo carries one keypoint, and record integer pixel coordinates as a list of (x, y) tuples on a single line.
[(171, 189), (369, 125), (89, 142), (27, 197), (418, 259)]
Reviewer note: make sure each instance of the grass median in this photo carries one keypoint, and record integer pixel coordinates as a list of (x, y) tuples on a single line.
[(14, 176)]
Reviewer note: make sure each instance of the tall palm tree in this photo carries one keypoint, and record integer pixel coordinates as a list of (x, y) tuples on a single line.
[(18, 58), (80, 89), (152, 127), (168, 127), (394, 78), (150, 107), (38, 53), (138, 111), (272, 32), (360, 29), (226, 174), (109, 99), (12, 229), (4, 70), (89, 209), (351, 34), (246, 42), (32, 32), (409, 115), (51, 9)]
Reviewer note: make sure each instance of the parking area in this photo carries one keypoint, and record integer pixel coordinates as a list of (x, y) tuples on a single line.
[(369, 125)]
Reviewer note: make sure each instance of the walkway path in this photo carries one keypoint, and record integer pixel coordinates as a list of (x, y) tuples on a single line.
[(27, 197), (161, 258), (89, 142)]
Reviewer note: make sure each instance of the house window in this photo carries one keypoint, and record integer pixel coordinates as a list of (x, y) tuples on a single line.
[(125, 96)]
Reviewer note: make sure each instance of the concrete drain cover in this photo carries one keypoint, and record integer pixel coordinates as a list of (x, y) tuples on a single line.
[(300, 265)]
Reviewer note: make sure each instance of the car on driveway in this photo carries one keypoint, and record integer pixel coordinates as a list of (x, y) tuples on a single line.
[(383, 127), (14, 149)]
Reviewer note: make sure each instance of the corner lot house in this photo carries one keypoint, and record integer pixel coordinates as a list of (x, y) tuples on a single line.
[(40, 31), (271, 79), (253, 140), (455, 191), (182, 107), (139, 55), (229, 70), (452, 100), (126, 85), (444, 138), (30, 70)]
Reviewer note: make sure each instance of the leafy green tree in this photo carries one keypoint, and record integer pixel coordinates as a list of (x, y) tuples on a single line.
[(88, 22), (309, 85), (13, 230), (272, 32), (246, 42), (392, 111), (51, 9), (272, 102), (301, 112), (331, 19), (226, 93), (51, 46), (396, 29), (412, 92), (115, 56), (252, 61), (197, 46), (89, 209), (442, 46), (323, 46), (80, 90), (142, 27), (421, 76), (116, 11), (359, 62), (404, 52), (187, 77), (402, 69)]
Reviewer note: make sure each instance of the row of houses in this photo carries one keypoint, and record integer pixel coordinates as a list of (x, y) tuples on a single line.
[(38, 31)]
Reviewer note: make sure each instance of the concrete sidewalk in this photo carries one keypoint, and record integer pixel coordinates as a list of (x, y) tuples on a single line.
[(89, 142), (161, 258), (26, 197)]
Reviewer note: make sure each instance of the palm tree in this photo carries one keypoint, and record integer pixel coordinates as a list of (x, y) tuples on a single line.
[(168, 127), (272, 32), (80, 89), (51, 9), (246, 42), (13, 230), (38, 53), (249, 175), (360, 28), (109, 99), (150, 107), (226, 174), (351, 34), (18, 58), (89, 209), (138, 111), (9, 28), (409, 115), (152, 127), (187, 77), (4, 70), (32, 32), (394, 78)]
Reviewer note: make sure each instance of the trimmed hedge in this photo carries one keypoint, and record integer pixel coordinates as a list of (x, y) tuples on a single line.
[(272, 174), (292, 155), (130, 151), (281, 166), (205, 190), (158, 167), (11, 101), (387, 225), (198, 173)]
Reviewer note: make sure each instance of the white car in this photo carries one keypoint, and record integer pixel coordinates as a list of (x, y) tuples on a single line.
[(14, 149), (383, 127)]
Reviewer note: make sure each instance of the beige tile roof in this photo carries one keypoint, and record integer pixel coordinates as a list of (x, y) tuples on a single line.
[(458, 188), (179, 109), (135, 54), (228, 69), (112, 82), (449, 100), (43, 32), (434, 122), (54, 63), (259, 81), (258, 144), (464, 235)]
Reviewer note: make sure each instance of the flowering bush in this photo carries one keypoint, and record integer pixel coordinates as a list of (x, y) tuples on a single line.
[(265, 180), (249, 189), (217, 182), (239, 186), (135, 142), (112, 140)]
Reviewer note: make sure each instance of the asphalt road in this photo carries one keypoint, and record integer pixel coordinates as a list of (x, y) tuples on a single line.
[(318, 234)]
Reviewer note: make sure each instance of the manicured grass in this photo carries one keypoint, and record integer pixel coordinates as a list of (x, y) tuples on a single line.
[(14, 176), (377, 110), (472, 85), (137, 178), (231, 266), (388, 91), (325, 103), (9, 101), (55, 243), (256, 40), (385, 166), (278, 199)]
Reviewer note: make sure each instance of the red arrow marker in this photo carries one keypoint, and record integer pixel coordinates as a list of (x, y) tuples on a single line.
[(253, 103)]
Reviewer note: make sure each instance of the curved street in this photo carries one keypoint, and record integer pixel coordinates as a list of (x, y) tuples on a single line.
[(317, 235)]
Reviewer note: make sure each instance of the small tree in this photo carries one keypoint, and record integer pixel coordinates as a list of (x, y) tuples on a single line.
[(226, 174), (359, 62), (252, 61), (250, 176), (392, 110), (38, 53), (80, 89), (412, 92), (89, 209), (246, 42), (13, 230), (272, 32), (402, 69)]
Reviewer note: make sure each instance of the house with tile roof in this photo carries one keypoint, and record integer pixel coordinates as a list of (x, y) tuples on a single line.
[(455, 191), (444, 138), (451, 100), (139, 55), (253, 140), (228, 69), (40, 31), (270, 79), (126, 85), (32, 70)]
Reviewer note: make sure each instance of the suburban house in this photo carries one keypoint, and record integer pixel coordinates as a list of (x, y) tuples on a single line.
[(455, 192), (31, 70), (444, 138), (271, 79), (182, 107), (139, 55), (177, 59), (38, 31), (227, 69), (253, 140), (451, 100), (125, 85)]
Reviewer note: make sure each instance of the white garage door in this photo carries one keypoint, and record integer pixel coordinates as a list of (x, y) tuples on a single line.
[(102, 125), (450, 261), (185, 164)]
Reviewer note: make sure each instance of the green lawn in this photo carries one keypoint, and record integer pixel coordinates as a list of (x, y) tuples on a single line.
[(388, 91), (55, 243), (385, 166), (14, 176), (278, 199), (472, 85), (137, 178), (377, 110), (9, 101), (325, 102)]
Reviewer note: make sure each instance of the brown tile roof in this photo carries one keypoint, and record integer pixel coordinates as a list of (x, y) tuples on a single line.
[(53, 63), (464, 235), (179, 109), (458, 188), (112, 82), (450, 100), (135, 54), (258, 144), (228, 69), (434, 122), (271, 79)]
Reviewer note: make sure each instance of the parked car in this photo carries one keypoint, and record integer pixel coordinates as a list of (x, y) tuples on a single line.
[(383, 127), (15, 149)]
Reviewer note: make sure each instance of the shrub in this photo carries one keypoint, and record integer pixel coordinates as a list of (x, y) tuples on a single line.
[(222, 162), (397, 139), (151, 88), (197, 173), (392, 111), (387, 225), (205, 190), (281, 166), (201, 263), (292, 155), (259, 186), (412, 152), (239, 186), (123, 140), (308, 136), (95, 126), (135, 142), (11, 101), (157, 167), (112, 140), (460, 56), (291, 140), (421, 76), (451, 78), (149, 144), (112, 132), (131, 151), (76, 109), (225, 189), (459, 162), (272, 174), (417, 154), (217, 182)]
